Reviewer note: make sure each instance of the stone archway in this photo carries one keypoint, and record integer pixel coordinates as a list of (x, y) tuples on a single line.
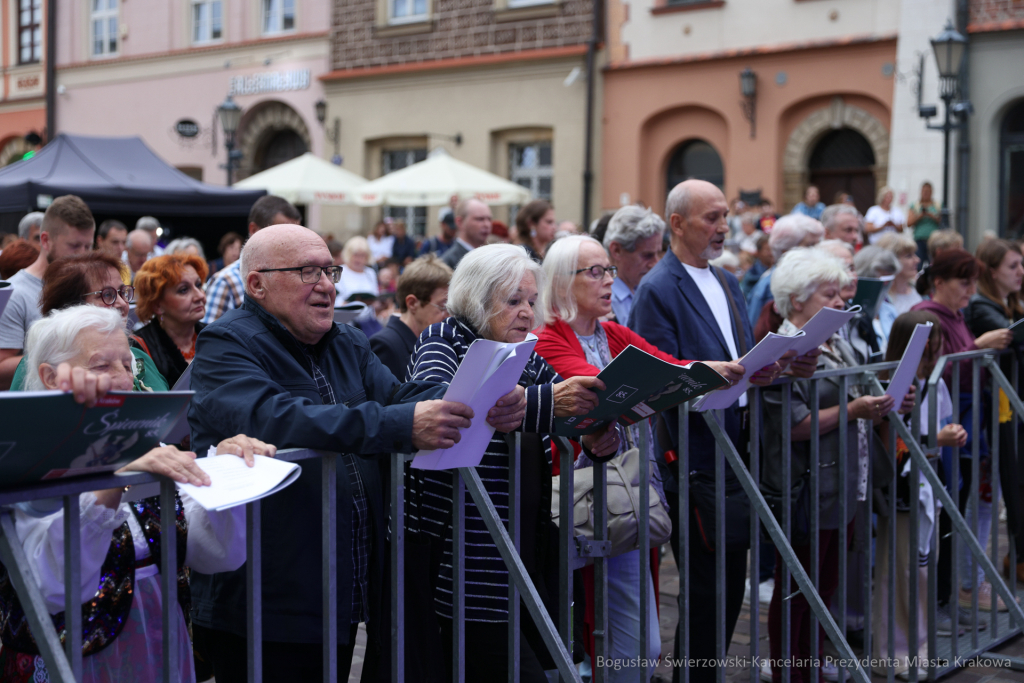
[(801, 143), (261, 124), (12, 150)]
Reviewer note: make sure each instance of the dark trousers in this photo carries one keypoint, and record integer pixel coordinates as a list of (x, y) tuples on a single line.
[(281, 661), (800, 611), (487, 653), (700, 601)]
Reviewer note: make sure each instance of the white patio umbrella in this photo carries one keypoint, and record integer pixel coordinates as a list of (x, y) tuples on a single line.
[(435, 180), (307, 179)]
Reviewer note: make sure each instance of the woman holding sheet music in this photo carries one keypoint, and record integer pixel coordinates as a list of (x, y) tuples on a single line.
[(804, 282), (492, 296), (84, 350), (575, 341)]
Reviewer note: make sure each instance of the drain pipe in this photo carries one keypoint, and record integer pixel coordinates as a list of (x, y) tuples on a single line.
[(51, 70), (588, 142)]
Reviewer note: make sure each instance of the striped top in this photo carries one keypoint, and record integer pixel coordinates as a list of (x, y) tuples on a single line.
[(435, 358)]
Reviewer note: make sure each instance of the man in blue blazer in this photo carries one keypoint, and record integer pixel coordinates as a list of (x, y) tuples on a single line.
[(690, 310)]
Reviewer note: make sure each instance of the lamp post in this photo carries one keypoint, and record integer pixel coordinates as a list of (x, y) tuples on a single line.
[(230, 114), (949, 48), (332, 135), (748, 88)]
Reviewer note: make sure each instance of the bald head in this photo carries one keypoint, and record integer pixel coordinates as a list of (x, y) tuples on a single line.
[(276, 242), (682, 197), (473, 222), (696, 211)]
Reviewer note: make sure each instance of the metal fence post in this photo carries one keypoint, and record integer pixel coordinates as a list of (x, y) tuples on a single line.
[(254, 591), (683, 532), (787, 523), (815, 464), (643, 540), (72, 581), (721, 646), (458, 578), (397, 568), (755, 534), (169, 578), (601, 640), (566, 542), (329, 564)]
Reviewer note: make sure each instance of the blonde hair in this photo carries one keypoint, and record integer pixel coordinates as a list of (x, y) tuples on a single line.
[(354, 244)]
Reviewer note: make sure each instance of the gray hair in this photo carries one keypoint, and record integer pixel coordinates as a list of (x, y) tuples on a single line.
[(147, 223), (183, 243), (485, 278), (137, 233), (678, 201), (874, 261), (54, 339), (800, 272), (631, 224), (28, 221), (832, 246), (790, 230), (832, 213), (560, 264)]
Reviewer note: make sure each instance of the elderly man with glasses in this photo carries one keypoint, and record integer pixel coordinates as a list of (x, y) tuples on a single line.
[(281, 367)]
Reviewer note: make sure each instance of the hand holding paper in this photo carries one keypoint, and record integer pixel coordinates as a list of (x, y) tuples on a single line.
[(232, 482), (768, 351), (907, 369)]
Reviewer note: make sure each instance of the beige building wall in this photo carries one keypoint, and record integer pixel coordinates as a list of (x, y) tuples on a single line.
[(489, 105)]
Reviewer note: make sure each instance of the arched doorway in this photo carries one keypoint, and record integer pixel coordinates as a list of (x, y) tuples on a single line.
[(278, 148), (694, 159), (270, 133), (1011, 173), (843, 161)]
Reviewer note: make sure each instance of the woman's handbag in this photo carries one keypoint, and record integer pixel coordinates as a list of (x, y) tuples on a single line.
[(623, 505)]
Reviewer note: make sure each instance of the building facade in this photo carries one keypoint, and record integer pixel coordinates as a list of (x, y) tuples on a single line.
[(22, 76), (160, 70), (821, 111), (501, 84)]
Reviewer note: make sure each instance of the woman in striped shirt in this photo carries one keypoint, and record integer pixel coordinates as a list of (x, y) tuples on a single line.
[(492, 296)]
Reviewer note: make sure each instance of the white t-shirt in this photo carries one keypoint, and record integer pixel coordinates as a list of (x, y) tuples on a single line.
[(352, 282), (878, 216), (944, 404), (22, 310), (380, 248), (714, 295)]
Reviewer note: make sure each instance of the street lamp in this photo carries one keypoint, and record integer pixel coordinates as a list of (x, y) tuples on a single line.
[(230, 115), (748, 88), (949, 48), (332, 135)]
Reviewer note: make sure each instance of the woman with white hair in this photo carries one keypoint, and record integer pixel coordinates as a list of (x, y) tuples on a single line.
[(492, 296), (84, 350), (633, 241), (574, 340), (804, 282), (356, 277), (790, 231)]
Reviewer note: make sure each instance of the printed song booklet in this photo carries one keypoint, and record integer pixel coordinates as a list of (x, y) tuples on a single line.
[(871, 292), (638, 385), (46, 435)]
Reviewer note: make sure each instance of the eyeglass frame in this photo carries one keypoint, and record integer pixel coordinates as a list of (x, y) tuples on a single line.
[(122, 291), (323, 271), (614, 270)]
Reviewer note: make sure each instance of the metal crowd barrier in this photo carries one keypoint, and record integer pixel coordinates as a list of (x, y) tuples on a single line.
[(64, 663)]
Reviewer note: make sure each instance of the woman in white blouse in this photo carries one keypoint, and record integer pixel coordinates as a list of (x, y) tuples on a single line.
[(883, 217), (356, 275), (85, 350)]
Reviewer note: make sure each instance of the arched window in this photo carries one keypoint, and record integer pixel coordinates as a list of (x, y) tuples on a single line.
[(843, 161), (1011, 173), (695, 159)]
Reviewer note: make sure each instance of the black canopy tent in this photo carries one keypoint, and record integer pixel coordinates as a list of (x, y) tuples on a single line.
[(114, 175)]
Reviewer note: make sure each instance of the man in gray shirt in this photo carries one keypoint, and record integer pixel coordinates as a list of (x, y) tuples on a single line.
[(67, 230)]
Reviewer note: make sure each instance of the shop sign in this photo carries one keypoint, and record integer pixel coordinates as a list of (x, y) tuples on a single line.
[(187, 128), (271, 81)]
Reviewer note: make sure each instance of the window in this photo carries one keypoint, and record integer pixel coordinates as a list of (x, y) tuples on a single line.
[(512, 4), (530, 166), (30, 31), (278, 16), (403, 11), (414, 217), (1011, 190), (104, 27), (207, 21)]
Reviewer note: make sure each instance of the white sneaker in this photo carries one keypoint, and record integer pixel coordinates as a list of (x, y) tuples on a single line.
[(746, 593), (830, 672), (765, 590), (766, 672)]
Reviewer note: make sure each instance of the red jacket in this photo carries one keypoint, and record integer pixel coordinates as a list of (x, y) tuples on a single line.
[(558, 345)]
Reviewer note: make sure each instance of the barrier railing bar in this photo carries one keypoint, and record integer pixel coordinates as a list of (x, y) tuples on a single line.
[(683, 533), (787, 523), (12, 554), (959, 524), (514, 527), (254, 592), (994, 527), (169, 578), (517, 572), (954, 545), (891, 563), (815, 465), (975, 482), (933, 563), (866, 569), (844, 454), (566, 540), (397, 641), (754, 396), (601, 640), (913, 588), (72, 581), (1015, 434), (720, 643), (789, 557), (459, 575), (329, 563), (643, 540)]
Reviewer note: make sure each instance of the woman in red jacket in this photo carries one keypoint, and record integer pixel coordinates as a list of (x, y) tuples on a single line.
[(575, 341)]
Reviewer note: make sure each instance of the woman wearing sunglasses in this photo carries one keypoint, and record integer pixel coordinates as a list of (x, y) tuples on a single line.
[(171, 297), (94, 279)]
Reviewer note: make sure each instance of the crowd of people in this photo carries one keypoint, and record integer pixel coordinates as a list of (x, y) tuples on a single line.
[(104, 308)]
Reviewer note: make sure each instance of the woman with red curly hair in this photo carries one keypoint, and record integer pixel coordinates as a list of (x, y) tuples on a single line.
[(169, 291)]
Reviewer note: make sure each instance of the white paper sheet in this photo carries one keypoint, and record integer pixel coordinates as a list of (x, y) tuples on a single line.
[(488, 371), (767, 351), (5, 295), (822, 326), (348, 312), (232, 482), (907, 369)]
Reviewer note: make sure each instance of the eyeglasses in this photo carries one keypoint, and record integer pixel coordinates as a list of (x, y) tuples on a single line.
[(443, 306), (597, 272), (109, 294), (310, 274)]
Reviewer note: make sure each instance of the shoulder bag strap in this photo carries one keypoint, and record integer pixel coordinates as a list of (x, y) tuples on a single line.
[(737, 323)]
